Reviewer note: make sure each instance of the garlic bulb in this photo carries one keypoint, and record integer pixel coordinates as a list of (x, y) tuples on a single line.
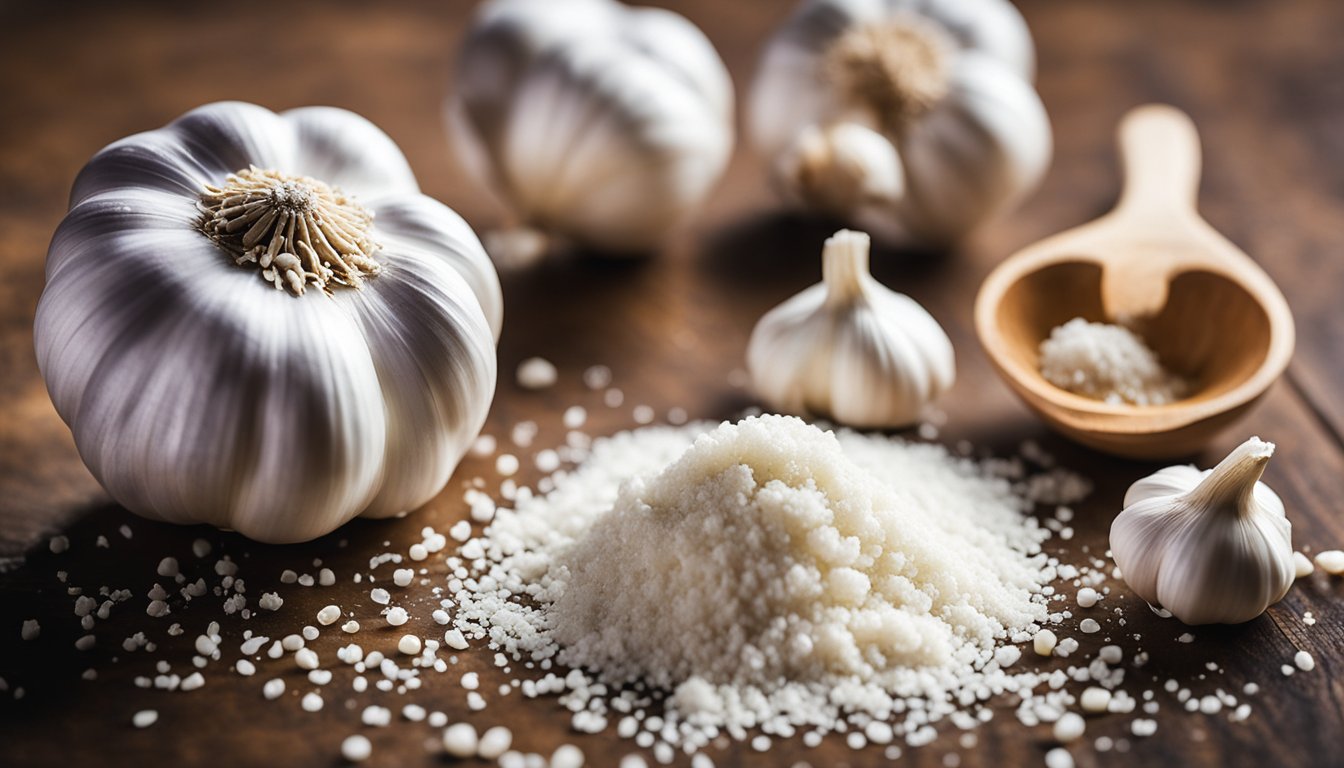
[(255, 320), (849, 349), (1211, 547), (597, 123), (913, 119)]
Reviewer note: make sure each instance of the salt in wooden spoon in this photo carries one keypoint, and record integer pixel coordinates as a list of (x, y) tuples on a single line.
[(1207, 309)]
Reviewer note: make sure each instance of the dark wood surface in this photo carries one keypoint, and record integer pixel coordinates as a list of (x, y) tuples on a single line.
[(1263, 80)]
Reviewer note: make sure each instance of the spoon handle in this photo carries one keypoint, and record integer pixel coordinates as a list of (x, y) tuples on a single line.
[(1161, 155)]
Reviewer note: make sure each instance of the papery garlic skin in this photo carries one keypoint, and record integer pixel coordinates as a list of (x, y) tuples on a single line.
[(849, 349), (945, 86), (198, 392), (1211, 547), (595, 122)]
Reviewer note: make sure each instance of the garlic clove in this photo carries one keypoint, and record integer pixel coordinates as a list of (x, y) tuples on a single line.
[(849, 349), (1217, 550), (841, 168)]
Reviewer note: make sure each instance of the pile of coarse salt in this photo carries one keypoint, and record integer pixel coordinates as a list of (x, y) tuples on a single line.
[(772, 577), (1109, 363)]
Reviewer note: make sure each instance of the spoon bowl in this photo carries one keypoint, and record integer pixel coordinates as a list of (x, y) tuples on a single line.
[(1152, 264)]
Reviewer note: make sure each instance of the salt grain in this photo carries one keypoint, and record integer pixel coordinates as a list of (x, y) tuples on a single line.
[(494, 742), (145, 718), (459, 740), (402, 577), (1043, 642), (329, 615), (1304, 661), (273, 689), (536, 373), (1068, 727), (1087, 597), (1058, 757), (409, 645), (356, 748)]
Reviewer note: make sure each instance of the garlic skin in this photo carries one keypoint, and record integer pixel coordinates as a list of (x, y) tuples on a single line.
[(211, 372), (595, 122), (1211, 547), (849, 349), (914, 120)]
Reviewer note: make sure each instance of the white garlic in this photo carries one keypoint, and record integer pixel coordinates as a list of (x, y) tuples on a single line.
[(255, 320), (914, 120), (850, 349), (596, 122), (1212, 547)]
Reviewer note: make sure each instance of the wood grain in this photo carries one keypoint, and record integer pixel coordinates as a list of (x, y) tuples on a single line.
[(1261, 79)]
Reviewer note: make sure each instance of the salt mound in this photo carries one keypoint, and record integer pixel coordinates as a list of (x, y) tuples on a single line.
[(765, 552), (764, 574)]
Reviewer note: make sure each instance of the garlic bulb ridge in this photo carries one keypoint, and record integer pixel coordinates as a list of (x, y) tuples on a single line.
[(204, 383), (850, 349), (1212, 547), (913, 119), (595, 122)]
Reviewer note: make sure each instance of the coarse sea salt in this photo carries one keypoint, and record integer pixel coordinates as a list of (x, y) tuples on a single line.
[(1108, 363), (847, 575)]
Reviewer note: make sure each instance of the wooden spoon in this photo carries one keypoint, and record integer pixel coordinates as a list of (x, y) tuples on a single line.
[(1203, 305)]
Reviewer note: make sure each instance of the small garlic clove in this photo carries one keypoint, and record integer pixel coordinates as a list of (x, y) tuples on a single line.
[(1216, 550), (849, 349)]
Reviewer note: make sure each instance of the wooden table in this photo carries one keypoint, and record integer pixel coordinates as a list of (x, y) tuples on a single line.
[(1264, 80)]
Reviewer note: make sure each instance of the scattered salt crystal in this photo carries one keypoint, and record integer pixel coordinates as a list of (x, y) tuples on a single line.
[(1095, 699), (459, 740), (417, 552), (494, 742), (356, 748), (643, 414), (1089, 626), (30, 630), (409, 645), (193, 681), (402, 577), (574, 417), (306, 658), (484, 446), (245, 668), (329, 615), (1185, 637), (1087, 597), (1007, 655), (168, 567), (326, 577), (291, 643), (613, 398), (1331, 561), (270, 601), (1058, 757), (1043, 642), (376, 716), (461, 531), (1304, 661), (380, 596), (597, 377), (273, 689), (1143, 727), (350, 627), (311, 702), (200, 547), (536, 373), (397, 616), (144, 718), (506, 465), (567, 756), (1068, 727)]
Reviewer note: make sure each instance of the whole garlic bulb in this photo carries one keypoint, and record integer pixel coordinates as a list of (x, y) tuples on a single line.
[(1211, 547), (255, 320), (597, 123), (850, 349), (912, 119)]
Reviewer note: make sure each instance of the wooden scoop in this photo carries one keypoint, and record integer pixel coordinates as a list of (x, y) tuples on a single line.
[(1210, 313)]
